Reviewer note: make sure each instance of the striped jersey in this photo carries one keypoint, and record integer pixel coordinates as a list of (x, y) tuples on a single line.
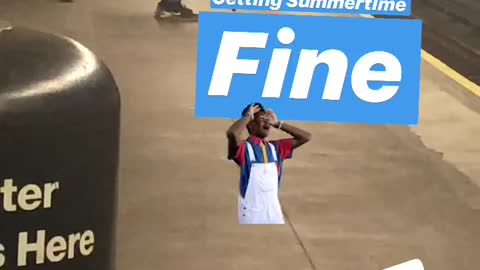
[(263, 154)]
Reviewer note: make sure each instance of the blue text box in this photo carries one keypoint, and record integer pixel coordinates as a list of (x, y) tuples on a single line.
[(372, 7), (354, 38)]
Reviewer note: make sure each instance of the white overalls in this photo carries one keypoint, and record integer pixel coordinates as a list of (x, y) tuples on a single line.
[(261, 204)]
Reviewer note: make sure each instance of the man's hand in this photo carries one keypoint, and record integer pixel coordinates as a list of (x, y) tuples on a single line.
[(300, 137), (273, 119), (252, 111)]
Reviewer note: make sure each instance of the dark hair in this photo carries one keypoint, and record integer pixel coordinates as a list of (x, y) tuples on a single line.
[(245, 110)]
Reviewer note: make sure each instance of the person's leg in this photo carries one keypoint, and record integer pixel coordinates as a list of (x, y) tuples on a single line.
[(169, 8)]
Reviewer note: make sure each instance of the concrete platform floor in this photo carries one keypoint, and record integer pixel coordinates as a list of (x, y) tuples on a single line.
[(358, 197)]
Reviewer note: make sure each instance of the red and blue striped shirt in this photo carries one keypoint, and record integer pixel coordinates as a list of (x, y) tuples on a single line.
[(263, 154)]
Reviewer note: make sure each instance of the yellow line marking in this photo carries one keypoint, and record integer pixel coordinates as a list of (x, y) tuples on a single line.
[(450, 72), (473, 87)]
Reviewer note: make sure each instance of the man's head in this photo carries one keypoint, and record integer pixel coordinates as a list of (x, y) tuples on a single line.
[(260, 125)]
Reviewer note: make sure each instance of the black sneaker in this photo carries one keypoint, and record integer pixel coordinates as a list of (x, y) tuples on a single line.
[(187, 13), (167, 9)]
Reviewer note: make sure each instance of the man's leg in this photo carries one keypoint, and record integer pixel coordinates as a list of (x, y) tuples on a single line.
[(174, 8)]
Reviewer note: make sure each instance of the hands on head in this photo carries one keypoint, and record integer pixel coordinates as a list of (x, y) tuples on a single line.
[(272, 117)]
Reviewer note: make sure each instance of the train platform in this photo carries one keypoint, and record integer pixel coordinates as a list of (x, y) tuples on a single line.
[(357, 197)]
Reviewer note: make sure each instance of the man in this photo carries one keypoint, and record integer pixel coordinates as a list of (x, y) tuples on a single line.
[(174, 8), (261, 163)]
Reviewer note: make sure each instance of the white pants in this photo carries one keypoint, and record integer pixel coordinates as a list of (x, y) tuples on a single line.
[(261, 204)]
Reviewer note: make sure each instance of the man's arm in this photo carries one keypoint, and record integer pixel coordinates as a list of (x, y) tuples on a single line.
[(300, 137), (234, 134)]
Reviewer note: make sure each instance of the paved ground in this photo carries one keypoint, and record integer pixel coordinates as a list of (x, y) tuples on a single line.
[(359, 197)]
